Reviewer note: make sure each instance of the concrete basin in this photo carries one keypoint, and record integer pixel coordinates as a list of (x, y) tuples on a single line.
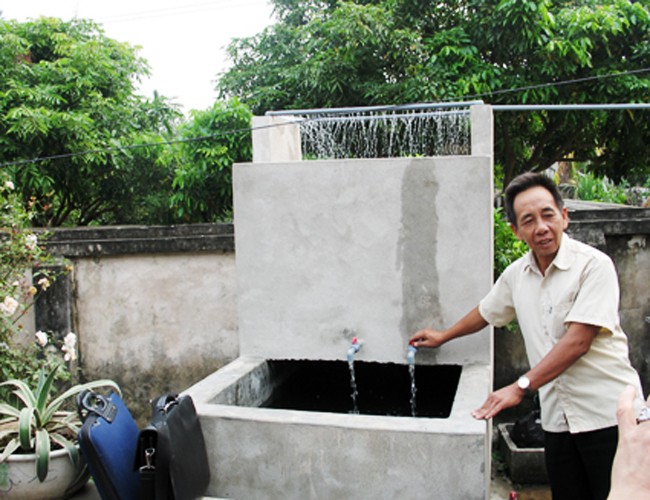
[(267, 453)]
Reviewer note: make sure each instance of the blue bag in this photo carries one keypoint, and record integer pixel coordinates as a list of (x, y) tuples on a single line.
[(108, 440)]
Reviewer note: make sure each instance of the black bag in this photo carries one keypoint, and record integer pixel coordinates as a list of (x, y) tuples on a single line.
[(172, 458), (527, 431)]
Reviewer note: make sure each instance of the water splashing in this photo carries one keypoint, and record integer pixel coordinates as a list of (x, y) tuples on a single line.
[(384, 135)]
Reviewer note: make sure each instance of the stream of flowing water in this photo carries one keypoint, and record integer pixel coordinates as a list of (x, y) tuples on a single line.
[(353, 387), (413, 390)]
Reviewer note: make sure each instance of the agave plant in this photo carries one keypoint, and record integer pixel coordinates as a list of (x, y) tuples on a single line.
[(36, 424)]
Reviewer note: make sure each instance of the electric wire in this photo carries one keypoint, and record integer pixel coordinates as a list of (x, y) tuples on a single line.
[(554, 84), (135, 146), (174, 11), (298, 121)]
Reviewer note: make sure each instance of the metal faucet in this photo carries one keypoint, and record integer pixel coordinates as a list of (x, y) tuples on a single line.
[(353, 349), (410, 354)]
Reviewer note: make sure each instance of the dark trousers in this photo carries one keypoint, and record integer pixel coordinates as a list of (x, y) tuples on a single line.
[(580, 465)]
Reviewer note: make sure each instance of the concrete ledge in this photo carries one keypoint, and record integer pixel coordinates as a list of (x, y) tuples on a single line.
[(122, 240), (593, 223), (525, 465)]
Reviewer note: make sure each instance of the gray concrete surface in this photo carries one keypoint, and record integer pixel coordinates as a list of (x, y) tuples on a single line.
[(377, 249), (500, 488)]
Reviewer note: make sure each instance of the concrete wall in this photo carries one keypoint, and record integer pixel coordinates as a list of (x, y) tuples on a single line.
[(154, 307), (377, 249), (276, 138)]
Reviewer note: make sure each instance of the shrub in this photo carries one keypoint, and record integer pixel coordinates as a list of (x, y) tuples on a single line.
[(507, 247), (592, 188), (26, 270)]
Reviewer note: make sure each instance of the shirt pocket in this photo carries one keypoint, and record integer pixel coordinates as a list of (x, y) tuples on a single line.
[(553, 315)]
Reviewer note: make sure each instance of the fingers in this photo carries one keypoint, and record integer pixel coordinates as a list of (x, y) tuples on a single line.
[(506, 397), (490, 408), (625, 409), (428, 338), (416, 337), (419, 339), (486, 413), (480, 414)]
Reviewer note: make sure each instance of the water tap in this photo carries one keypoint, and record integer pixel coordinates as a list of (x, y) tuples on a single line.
[(353, 349), (410, 354)]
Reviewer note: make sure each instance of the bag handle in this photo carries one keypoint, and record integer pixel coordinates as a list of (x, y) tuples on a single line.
[(91, 402), (165, 403)]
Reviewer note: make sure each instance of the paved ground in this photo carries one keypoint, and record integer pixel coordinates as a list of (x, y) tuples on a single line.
[(501, 488), (89, 492)]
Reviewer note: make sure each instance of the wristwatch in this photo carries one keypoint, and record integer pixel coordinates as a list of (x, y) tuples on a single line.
[(523, 383)]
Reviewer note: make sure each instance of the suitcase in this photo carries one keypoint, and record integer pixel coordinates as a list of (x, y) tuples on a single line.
[(172, 457), (108, 440)]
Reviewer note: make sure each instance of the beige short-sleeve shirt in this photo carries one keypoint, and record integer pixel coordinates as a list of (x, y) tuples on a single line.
[(580, 286)]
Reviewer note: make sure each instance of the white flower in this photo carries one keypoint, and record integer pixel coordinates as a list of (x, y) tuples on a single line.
[(44, 283), (9, 185), (30, 241), (9, 306), (41, 338), (69, 347)]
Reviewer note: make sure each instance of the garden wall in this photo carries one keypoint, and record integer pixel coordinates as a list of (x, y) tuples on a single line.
[(155, 308)]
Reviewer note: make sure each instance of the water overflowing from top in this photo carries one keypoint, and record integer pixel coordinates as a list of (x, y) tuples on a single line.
[(386, 134)]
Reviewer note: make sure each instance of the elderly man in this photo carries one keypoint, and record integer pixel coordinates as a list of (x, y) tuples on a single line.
[(565, 297)]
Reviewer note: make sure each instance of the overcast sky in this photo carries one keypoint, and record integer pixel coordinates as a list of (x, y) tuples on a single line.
[(184, 43)]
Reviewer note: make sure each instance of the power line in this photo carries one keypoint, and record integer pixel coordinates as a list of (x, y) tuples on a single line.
[(251, 129), (131, 146), (570, 107), (553, 84), (173, 11)]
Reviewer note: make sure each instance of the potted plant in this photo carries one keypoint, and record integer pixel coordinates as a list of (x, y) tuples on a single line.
[(34, 425)]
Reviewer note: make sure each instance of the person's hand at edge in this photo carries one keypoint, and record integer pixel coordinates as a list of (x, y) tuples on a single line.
[(631, 467)]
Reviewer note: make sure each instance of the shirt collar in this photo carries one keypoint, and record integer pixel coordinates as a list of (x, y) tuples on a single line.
[(562, 259)]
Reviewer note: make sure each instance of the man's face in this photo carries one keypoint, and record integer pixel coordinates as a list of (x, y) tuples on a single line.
[(540, 223)]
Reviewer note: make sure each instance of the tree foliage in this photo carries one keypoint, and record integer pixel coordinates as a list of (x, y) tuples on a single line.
[(210, 142), (67, 93), (340, 53)]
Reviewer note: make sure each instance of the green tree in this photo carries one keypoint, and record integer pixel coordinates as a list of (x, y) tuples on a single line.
[(67, 93), (209, 143), (338, 53), (143, 186)]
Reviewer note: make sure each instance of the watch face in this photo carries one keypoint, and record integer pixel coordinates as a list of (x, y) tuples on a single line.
[(523, 382)]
